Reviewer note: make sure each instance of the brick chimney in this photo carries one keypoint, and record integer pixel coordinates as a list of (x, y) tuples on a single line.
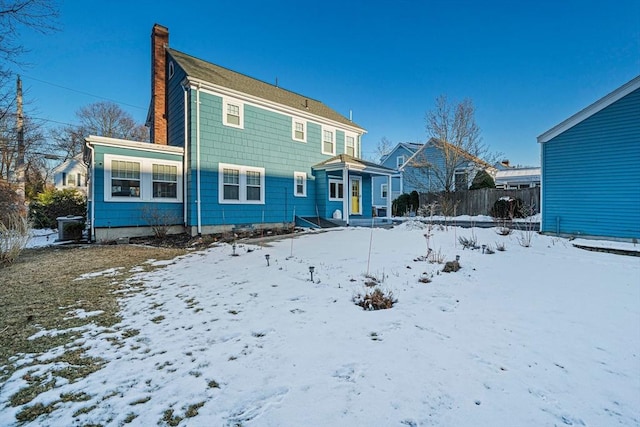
[(159, 41)]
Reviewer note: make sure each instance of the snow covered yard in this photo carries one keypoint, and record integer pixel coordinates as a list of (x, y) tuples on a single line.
[(542, 336)]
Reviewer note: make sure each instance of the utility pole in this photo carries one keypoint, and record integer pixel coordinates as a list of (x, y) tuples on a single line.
[(20, 166)]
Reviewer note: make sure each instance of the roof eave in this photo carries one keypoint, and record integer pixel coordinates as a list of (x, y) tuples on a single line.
[(592, 109)]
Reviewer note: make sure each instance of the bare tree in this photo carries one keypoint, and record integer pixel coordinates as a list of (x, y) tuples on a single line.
[(383, 148), (17, 15), (453, 131), (101, 118)]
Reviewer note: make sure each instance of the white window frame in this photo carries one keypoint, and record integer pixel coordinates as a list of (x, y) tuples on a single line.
[(384, 190), (242, 196), (146, 180), (302, 175), (225, 105), (295, 121), (333, 136), (400, 161), (355, 144), (339, 182)]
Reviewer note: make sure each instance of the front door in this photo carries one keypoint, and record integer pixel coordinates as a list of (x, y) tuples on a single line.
[(356, 195)]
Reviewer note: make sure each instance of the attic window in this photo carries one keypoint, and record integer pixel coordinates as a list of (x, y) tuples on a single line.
[(171, 69), (232, 114)]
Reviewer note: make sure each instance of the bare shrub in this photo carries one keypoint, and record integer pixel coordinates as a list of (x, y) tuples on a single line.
[(526, 227), (501, 247), (14, 235), (377, 299), (160, 221), (436, 257), (468, 242)]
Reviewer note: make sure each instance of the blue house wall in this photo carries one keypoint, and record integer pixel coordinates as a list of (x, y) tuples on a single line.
[(390, 161), (116, 213), (591, 172)]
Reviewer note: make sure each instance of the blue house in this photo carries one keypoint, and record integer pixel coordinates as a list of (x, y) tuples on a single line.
[(431, 167), (591, 169), (395, 159), (228, 151)]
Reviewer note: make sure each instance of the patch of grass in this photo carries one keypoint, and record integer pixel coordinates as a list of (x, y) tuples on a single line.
[(38, 290), (170, 419), (192, 410), (30, 413), (140, 401), (157, 319), (84, 410), (213, 384), (130, 417), (74, 397)]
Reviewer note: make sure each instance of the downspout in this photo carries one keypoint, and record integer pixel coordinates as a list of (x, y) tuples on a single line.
[(389, 190), (185, 166), (92, 231), (346, 192), (542, 192), (198, 159)]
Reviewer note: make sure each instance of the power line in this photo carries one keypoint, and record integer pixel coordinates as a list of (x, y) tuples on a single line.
[(83, 93)]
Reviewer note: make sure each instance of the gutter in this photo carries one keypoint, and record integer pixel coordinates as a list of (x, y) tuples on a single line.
[(185, 164), (92, 230), (198, 201)]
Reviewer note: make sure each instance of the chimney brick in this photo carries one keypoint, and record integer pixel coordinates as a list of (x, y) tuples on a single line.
[(159, 42)]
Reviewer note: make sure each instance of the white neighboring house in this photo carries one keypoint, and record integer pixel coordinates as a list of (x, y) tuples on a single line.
[(71, 173), (515, 178)]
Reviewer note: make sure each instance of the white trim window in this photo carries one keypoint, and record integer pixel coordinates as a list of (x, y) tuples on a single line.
[(350, 145), (240, 184), (165, 181), (136, 179), (300, 184), (233, 113), (384, 190), (299, 130), (400, 161), (336, 189), (328, 141)]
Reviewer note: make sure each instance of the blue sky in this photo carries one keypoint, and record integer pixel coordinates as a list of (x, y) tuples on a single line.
[(527, 65)]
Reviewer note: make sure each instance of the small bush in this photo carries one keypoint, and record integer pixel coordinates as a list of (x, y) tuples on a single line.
[(52, 203), (14, 236), (160, 221), (451, 267), (375, 300), (501, 247), (406, 203), (482, 180), (507, 207)]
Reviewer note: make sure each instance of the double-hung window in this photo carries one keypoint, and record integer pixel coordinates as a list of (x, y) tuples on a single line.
[(165, 181), (384, 189), (298, 130), (328, 142), (350, 145), (233, 113), (336, 189), (241, 184), (125, 179), (300, 184), (399, 161), (231, 181), (136, 179)]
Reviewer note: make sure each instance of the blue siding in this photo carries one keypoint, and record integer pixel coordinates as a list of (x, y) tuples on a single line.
[(126, 214), (266, 142), (591, 172), (391, 163)]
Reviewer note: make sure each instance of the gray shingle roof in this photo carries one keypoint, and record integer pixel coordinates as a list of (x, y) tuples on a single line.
[(224, 77)]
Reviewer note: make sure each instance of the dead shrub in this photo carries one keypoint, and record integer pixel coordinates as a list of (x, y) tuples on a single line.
[(451, 267), (14, 235), (375, 300)]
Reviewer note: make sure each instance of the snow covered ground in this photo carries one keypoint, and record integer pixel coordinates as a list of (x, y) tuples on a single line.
[(547, 335)]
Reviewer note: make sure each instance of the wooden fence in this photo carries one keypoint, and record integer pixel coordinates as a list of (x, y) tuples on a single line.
[(480, 202)]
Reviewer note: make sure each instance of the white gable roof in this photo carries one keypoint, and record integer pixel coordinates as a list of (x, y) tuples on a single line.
[(592, 109)]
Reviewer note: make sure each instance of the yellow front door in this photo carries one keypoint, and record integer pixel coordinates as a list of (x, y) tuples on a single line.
[(355, 196)]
